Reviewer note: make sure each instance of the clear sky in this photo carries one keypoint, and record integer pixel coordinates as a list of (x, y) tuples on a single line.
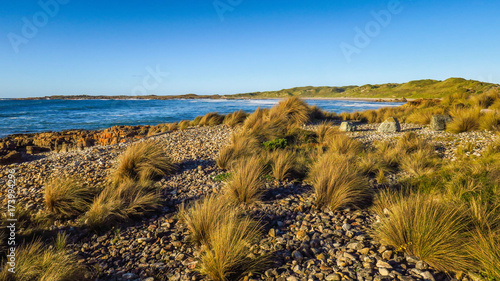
[(70, 47)]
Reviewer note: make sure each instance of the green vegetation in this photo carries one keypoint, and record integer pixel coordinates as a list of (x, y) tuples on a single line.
[(413, 89), (275, 144)]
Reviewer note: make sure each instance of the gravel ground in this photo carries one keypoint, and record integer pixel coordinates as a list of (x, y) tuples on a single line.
[(307, 244)]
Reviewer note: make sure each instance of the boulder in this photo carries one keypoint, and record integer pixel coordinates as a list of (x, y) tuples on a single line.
[(347, 126), (391, 125), (438, 122)]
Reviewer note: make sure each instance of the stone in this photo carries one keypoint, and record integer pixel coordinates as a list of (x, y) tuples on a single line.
[(391, 125), (387, 255), (383, 271), (347, 126), (333, 277), (383, 264), (438, 122)]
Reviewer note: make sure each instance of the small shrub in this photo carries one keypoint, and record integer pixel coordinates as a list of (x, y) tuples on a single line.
[(222, 177), (275, 144), (67, 197), (142, 161), (338, 183), (245, 184)]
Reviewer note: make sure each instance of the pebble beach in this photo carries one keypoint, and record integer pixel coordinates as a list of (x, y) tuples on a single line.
[(306, 243)]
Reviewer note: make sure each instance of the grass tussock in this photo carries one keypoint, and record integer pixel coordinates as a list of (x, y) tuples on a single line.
[(343, 144), (183, 125), (246, 183), (485, 250), (143, 161), (338, 182), (283, 163), (242, 144), (490, 121), (226, 255), (235, 118), (203, 216), (293, 109), (419, 163), (211, 119), (66, 197), (464, 120), (325, 131), (35, 261), (424, 226), (121, 203)]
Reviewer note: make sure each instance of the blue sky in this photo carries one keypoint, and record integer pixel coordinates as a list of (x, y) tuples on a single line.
[(71, 47)]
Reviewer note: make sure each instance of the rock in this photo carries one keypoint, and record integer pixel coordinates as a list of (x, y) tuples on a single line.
[(387, 255), (438, 122), (383, 271), (128, 276), (333, 277), (297, 256), (391, 125), (383, 264), (421, 265), (11, 157), (291, 278), (347, 126)]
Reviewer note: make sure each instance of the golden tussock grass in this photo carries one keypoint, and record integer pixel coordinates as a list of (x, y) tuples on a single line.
[(226, 255), (35, 261), (211, 119), (425, 226), (338, 183), (67, 196), (419, 163), (123, 202), (343, 144), (142, 161), (184, 124), (464, 120), (485, 250), (235, 118), (283, 163), (204, 215), (246, 184), (293, 109), (490, 121), (242, 144), (325, 131)]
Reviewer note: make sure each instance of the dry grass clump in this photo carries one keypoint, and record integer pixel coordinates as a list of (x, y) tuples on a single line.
[(490, 121), (292, 109), (464, 120), (211, 119), (203, 216), (68, 196), (235, 118), (338, 183), (183, 125), (419, 163), (485, 250), (424, 226), (225, 257), (34, 261), (246, 183), (242, 144), (343, 144), (142, 161), (325, 131), (283, 163), (123, 202), (173, 126)]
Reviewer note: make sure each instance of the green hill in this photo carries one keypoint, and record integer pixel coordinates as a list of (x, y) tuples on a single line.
[(414, 89)]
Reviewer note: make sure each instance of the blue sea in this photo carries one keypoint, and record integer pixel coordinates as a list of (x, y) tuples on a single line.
[(32, 116)]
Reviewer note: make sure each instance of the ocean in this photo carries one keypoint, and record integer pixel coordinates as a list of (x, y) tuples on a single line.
[(32, 116)]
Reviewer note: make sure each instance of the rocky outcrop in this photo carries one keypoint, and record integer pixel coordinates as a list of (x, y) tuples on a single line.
[(66, 141)]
